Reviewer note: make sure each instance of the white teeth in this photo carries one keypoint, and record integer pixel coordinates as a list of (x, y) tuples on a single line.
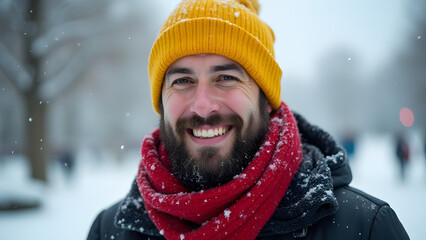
[(204, 133), (210, 133)]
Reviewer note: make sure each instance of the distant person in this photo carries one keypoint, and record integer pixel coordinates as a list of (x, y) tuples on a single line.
[(230, 160), (349, 144), (67, 162), (402, 154)]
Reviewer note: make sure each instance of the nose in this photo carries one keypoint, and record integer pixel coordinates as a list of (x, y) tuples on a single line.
[(205, 101)]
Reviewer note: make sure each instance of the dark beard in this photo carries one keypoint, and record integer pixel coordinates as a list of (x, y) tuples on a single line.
[(197, 174)]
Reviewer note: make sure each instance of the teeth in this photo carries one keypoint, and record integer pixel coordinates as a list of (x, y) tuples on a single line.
[(210, 133), (204, 133)]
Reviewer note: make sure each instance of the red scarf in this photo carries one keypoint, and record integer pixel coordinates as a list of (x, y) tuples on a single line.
[(236, 210)]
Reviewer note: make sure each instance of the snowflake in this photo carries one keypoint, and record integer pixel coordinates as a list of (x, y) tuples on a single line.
[(227, 213)]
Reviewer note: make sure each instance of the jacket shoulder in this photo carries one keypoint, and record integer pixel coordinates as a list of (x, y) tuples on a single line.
[(103, 227), (360, 216)]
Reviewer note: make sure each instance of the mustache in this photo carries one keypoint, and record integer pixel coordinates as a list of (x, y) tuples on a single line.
[(197, 121)]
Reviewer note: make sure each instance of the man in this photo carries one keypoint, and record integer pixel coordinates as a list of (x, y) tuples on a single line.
[(230, 160)]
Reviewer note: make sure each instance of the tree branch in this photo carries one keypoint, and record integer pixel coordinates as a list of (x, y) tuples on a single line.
[(78, 29), (81, 61), (13, 69), (65, 10)]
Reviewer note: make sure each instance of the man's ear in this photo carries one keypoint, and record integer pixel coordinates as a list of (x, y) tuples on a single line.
[(269, 107)]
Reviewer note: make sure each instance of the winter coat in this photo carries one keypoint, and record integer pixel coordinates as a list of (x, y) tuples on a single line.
[(319, 203)]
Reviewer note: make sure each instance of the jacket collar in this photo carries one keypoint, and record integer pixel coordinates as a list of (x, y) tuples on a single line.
[(328, 148), (310, 196), (132, 215)]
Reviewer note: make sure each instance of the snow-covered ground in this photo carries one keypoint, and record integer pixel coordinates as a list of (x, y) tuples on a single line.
[(70, 205)]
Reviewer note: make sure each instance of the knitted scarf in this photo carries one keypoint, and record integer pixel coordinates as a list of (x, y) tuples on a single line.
[(236, 210)]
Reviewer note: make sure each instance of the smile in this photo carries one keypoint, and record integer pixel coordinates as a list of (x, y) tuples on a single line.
[(209, 132)]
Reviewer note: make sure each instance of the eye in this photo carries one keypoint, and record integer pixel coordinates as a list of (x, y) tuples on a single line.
[(227, 79), (180, 81)]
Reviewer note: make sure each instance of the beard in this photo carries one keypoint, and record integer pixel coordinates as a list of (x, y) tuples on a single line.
[(208, 169)]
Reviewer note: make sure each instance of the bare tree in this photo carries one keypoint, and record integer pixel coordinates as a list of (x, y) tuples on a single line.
[(45, 47)]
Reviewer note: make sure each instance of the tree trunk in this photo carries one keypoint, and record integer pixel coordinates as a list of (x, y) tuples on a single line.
[(37, 149)]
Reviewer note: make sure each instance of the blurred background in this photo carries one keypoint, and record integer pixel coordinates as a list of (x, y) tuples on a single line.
[(75, 100)]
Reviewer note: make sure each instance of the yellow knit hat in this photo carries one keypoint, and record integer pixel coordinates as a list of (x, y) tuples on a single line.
[(229, 28)]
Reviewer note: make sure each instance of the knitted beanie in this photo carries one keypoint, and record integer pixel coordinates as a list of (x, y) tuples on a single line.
[(229, 28)]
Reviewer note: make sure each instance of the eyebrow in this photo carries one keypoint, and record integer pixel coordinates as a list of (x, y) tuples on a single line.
[(178, 70), (227, 67)]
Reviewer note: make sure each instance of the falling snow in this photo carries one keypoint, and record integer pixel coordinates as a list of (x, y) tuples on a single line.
[(402, 197)]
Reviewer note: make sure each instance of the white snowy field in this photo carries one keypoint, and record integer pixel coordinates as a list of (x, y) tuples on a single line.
[(70, 205)]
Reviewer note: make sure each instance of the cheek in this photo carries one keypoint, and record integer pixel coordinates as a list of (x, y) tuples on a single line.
[(240, 102), (174, 108)]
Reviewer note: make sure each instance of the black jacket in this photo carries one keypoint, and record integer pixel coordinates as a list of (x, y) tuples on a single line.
[(319, 203)]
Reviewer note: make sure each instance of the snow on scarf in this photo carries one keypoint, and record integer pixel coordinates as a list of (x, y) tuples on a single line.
[(236, 210)]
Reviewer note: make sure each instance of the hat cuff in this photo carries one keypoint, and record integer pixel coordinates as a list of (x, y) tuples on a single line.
[(216, 36)]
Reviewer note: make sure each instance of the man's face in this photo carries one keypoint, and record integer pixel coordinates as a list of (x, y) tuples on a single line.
[(213, 119)]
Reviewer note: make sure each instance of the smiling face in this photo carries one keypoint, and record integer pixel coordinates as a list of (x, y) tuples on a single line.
[(214, 117)]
